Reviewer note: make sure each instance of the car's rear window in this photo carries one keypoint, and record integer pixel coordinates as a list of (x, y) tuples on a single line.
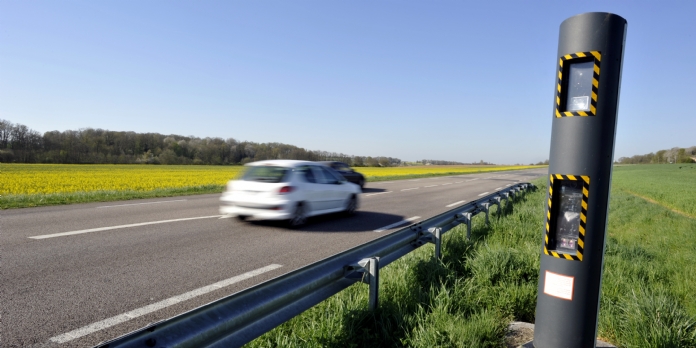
[(266, 174)]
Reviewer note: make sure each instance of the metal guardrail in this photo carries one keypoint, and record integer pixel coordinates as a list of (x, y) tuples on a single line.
[(241, 317)]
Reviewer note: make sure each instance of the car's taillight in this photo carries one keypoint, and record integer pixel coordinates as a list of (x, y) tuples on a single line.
[(286, 189)]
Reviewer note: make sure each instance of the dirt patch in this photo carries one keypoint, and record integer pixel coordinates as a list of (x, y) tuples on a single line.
[(519, 333)]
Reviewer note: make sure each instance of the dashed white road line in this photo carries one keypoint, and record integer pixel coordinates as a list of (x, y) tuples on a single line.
[(382, 229), (106, 323), (378, 193), (414, 188), (124, 205), (430, 186), (449, 183), (483, 194), (455, 203), (414, 180), (62, 234), (498, 188), (458, 182), (472, 179), (508, 185)]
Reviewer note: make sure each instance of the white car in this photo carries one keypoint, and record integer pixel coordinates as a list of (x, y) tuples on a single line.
[(288, 190)]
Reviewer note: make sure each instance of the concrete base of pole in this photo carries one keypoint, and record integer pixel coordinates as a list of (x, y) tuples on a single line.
[(520, 335)]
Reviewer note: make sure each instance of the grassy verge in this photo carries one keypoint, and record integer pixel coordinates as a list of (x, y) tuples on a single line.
[(468, 298), (649, 275), (37, 200)]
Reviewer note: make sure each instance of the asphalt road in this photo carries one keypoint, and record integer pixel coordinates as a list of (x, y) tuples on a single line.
[(81, 274)]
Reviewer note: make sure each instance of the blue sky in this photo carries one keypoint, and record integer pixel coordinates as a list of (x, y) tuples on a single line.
[(450, 80)]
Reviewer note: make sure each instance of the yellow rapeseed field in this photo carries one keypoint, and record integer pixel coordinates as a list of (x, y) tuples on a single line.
[(42, 179), (32, 179), (435, 170)]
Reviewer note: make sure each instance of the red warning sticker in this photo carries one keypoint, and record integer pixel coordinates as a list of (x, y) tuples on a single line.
[(558, 285)]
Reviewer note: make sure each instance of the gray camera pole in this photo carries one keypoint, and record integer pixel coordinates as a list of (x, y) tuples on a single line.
[(590, 55)]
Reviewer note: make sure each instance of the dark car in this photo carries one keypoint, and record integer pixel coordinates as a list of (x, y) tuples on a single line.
[(347, 172)]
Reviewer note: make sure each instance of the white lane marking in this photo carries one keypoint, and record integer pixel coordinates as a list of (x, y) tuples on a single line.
[(120, 226), (106, 323), (124, 205), (382, 229), (430, 186), (483, 194), (378, 193), (457, 182), (498, 188), (449, 183), (508, 185), (414, 188), (455, 203), (473, 179)]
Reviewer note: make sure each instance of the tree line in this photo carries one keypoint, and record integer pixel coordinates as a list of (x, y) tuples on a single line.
[(20, 144), (673, 155)]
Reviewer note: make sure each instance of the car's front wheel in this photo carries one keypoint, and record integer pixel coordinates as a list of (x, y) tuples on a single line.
[(299, 216)]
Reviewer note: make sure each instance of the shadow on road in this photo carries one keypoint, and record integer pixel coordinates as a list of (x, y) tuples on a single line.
[(361, 221), (372, 190)]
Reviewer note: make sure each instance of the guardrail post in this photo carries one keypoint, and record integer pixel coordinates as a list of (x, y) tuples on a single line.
[(506, 195), (371, 278), (496, 200), (436, 233), (466, 218), (485, 208)]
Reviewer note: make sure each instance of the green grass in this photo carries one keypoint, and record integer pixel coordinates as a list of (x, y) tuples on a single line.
[(671, 185), (649, 271), (468, 298)]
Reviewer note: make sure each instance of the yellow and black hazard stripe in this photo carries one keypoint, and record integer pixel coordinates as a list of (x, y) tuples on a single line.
[(592, 55), (583, 217)]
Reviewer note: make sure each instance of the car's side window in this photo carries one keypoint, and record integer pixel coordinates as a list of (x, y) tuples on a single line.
[(320, 175), (306, 174), (332, 177)]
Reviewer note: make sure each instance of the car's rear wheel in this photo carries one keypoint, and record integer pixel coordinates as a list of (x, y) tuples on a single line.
[(351, 206), (242, 217), (299, 216)]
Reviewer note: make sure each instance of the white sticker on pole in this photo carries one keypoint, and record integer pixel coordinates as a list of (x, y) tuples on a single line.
[(560, 286)]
